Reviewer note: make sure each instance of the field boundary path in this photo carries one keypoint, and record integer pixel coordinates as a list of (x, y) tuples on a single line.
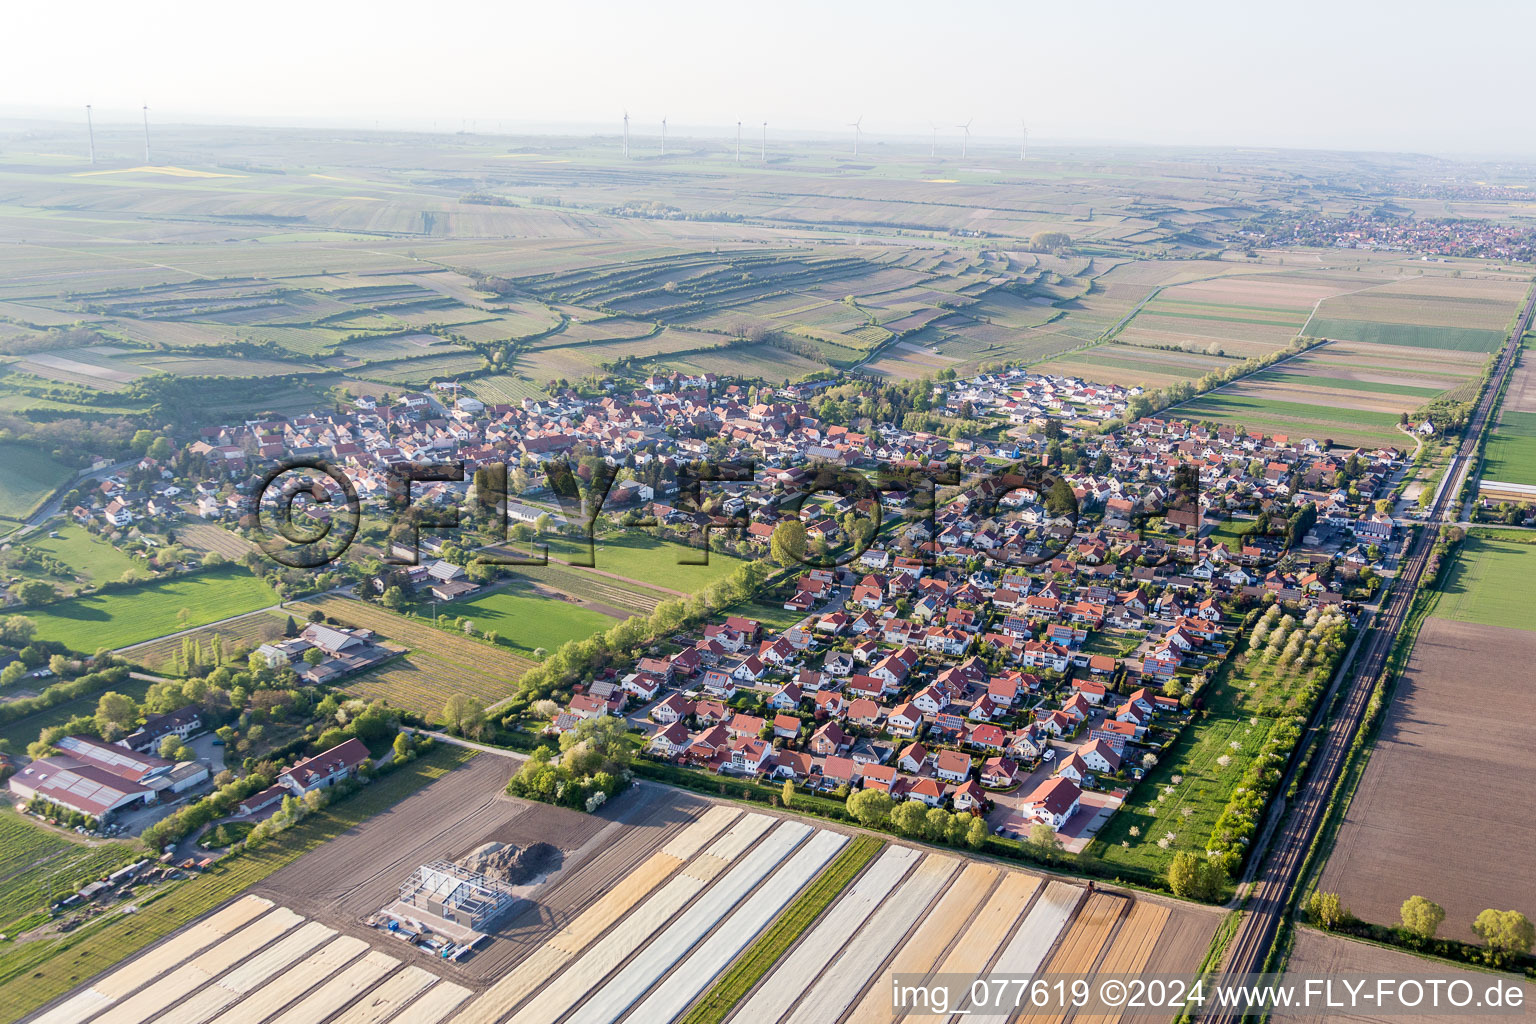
[(1272, 893)]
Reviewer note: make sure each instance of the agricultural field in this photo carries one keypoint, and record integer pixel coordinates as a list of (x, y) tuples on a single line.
[(1489, 582), (1239, 405), (237, 637), (39, 866), (1316, 954), (1425, 311), (693, 902), (1441, 764), (1130, 365), (27, 476), (209, 537), (438, 663), (530, 618), (640, 558), (132, 615), (1443, 771)]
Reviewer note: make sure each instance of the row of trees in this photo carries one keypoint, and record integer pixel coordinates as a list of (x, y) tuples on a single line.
[(1507, 934), (914, 819)]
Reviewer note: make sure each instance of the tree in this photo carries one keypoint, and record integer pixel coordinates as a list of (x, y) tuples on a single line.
[(171, 748), (1326, 910), (787, 794), (1050, 241), (12, 673), (462, 713), (58, 664), (1422, 917), (870, 807), (115, 710), (936, 824), (35, 592), (314, 656), (17, 630), (1507, 932), (402, 747), (1192, 877), (910, 817), (976, 833), (788, 544), (1043, 838)]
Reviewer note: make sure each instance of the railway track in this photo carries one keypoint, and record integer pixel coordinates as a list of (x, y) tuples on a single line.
[(1277, 880)]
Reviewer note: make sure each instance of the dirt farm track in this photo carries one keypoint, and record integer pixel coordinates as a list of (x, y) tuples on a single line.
[(1444, 785)]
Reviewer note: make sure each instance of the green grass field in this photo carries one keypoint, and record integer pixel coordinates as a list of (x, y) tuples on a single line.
[(1232, 533), (1346, 426), (529, 620), (639, 556), (88, 555), (27, 476), (1458, 339), (136, 614), (1510, 457), (1489, 583), (33, 973)]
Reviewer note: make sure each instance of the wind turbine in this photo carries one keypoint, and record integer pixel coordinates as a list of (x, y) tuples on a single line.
[(738, 140), (967, 138), (90, 131), (626, 135), (1023, 141), (663, 134), (933, 147), (147, 160), (857, 131), (763, 152)]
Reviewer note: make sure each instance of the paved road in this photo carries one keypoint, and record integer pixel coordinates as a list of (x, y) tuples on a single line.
[(1272, 891), (52, 506)]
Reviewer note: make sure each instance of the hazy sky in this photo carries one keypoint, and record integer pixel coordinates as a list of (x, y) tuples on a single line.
[(1450, 78)]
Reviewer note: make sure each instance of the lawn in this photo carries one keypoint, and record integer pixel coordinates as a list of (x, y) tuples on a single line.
[(1510, 457), (37, 972), (529, 620), (1489, 583), (135, 614), (1187, 791), (1232, 532), (89, 556), (27, 476), (1459, 339), (639, 556)]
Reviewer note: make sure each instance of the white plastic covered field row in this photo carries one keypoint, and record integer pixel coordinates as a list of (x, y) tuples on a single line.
[(253, 963)]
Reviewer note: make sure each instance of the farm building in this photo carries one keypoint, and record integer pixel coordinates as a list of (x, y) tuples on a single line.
[(96, 778), (325, 768), (454, 893)]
